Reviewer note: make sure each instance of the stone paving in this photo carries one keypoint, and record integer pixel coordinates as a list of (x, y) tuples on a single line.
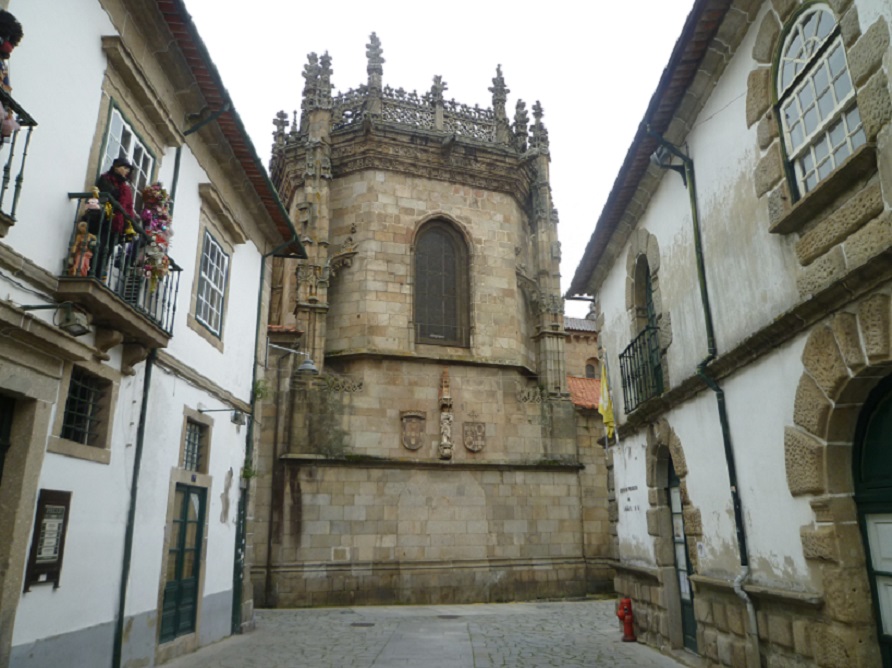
[(565, 634)]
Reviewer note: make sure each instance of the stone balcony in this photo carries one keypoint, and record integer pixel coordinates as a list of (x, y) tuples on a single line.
[(105, 274)]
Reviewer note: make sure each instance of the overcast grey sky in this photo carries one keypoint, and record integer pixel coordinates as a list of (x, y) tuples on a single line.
[(592, 65)]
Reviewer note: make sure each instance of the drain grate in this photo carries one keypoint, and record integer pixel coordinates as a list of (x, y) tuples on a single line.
[(363, 624), (449, 616)]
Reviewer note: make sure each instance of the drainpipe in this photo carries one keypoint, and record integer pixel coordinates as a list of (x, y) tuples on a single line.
[(702, 370), (242, 519), (131, 513)]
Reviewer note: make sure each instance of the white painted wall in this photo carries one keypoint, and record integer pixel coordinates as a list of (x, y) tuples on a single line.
[(56, 74), (230, 369), (94, 542), (65, 101), (751, 277), (630, 484)]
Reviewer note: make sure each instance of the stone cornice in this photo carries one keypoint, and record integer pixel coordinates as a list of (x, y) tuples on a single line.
[(24, 268), (210, 197), (358, 461), (138, 83), (202, 382), (469, 360), (800, 598), (423, 154)]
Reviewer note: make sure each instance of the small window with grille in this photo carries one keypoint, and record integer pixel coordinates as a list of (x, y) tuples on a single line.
[(85, 409), (194, 446)]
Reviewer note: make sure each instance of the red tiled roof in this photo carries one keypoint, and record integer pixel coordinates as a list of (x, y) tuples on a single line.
[(180, 23), (580, 325), (584, 392), (286, 329)]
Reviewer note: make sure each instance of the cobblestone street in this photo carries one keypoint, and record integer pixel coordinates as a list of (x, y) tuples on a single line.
[(567, 634)]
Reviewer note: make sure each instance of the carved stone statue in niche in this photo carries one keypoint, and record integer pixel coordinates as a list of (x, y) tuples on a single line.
[(445, 449), (446, 417)]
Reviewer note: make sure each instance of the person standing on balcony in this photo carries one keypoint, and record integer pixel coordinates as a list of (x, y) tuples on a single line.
[(10, 35), (111, 228)]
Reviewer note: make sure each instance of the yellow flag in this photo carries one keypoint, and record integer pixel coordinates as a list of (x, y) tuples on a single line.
[(605, 405)]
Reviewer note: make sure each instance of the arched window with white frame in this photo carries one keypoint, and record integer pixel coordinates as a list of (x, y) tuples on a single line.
[(818, 113)]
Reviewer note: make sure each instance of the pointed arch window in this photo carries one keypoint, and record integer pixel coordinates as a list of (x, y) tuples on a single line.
[(441, 285), (818, 113)]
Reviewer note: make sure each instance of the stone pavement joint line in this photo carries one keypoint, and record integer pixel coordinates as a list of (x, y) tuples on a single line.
[(565, 634)]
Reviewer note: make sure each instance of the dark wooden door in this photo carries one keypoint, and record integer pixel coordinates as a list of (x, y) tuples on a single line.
[(178, 612), (873, 496), (682, 563)]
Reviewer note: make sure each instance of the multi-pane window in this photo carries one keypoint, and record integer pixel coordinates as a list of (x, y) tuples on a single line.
[(84, 408), (122, 142), (441, 286), (816, 99), (193, 450), (211, 285)]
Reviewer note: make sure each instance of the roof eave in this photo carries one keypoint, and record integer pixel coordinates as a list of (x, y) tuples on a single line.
[(700, 27), (183, 28)]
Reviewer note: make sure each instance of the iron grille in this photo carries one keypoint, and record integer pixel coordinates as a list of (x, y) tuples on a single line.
[(83, 407), (120, 263), (193, 450), (640, 366)]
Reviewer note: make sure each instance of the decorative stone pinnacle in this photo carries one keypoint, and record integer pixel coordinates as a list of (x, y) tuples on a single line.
[(281, 122), (437, 89), (521, 126), (325, 85), (539, 134), (499, 90), (374, 53), (311, 88)]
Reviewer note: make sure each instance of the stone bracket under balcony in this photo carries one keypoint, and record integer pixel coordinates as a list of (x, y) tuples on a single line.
[(109, 311)]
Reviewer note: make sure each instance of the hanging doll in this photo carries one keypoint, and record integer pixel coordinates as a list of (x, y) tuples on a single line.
[(81, 250), (10, 36)]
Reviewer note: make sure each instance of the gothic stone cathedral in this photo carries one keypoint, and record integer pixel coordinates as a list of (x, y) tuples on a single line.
[(435, 456)]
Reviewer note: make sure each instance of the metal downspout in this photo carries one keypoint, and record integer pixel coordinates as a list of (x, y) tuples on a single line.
[(131, 513), (241, 521), (703, 372)]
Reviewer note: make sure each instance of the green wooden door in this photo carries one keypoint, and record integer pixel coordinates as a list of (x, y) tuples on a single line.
[(873, 495), (682, 563), (183, 563)]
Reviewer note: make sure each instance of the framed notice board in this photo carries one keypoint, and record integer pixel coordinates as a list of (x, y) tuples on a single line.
[(48, 541)]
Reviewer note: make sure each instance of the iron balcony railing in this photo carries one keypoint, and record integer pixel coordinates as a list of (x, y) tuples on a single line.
[(12, 160), (119, 262), (642, 373)]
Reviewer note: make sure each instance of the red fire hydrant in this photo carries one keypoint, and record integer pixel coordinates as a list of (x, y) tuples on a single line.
[(624, 612)]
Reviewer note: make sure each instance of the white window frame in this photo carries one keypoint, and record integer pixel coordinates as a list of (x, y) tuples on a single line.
[(210, 299), (122, 141), (816, 99)]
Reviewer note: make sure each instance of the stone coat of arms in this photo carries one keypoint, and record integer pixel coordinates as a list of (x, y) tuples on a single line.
[(412, 435), (474, 435)]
